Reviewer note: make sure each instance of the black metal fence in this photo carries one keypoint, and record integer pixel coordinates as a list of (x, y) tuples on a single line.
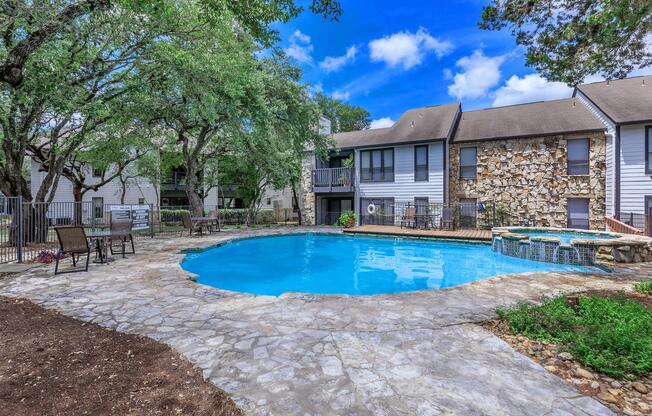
[(637, 220), (435, 215), (169, 217), (27, 228)]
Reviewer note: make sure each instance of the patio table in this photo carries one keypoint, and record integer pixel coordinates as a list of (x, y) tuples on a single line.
[(210, 221), (100, 241)]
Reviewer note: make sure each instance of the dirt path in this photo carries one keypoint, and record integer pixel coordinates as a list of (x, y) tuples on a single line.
[(51, 364)]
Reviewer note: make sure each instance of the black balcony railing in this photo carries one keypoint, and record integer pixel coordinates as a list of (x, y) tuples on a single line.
[(333, 180)]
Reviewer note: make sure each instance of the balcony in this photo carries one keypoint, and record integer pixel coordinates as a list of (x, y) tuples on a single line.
[(175, 182), (333, 180)]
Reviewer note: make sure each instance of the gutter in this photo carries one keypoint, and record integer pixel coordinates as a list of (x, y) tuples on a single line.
[(616, 150)]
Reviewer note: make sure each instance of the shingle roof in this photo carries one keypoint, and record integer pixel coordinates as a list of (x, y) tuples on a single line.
[(419, 124), (626, 100), (526, 120)]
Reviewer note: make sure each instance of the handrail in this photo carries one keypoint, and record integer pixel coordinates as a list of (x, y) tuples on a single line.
[(621, 227), (333, 177)]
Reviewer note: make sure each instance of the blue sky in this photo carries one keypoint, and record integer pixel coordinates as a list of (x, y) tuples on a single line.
[(390, 56)]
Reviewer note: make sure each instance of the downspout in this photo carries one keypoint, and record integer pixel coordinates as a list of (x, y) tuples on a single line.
[(617, 173)]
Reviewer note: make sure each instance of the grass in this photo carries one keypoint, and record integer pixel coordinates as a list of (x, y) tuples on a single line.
[(644, 287), (611, 335)]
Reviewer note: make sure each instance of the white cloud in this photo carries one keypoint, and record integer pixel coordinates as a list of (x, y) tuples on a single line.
[(380, 123), (316, 88), (334, 63), (341, 95), (407, 49), (532, 87), (300, 48), (479, 74)]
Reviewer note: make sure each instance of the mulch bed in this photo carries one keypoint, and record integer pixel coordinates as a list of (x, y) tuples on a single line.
[(51, 364), (622, 396)]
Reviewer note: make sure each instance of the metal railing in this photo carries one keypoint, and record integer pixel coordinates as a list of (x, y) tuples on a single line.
[(437, 215), (27, 228), (333, 178), (636, 220)]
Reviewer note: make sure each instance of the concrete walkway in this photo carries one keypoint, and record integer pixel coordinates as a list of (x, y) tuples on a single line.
[(405, 354)]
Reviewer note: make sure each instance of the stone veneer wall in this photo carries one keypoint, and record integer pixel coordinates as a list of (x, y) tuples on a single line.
[(529, 177), (307, 195)]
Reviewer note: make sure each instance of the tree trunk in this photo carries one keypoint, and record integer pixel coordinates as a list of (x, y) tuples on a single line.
[(123, 191), (296, 198), (78, 198)]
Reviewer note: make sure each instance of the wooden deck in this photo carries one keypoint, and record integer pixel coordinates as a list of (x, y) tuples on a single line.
[(474, 235)]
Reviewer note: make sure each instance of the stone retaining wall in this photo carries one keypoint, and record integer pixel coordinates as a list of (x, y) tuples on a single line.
[(529, 178)]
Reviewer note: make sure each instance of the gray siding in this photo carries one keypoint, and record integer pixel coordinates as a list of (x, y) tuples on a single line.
[(404, 188), (634, 183)]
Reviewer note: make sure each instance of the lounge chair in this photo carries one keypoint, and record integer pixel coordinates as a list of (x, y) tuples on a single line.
[(409, 218), (121, 235), (73, 241), (447, 219)]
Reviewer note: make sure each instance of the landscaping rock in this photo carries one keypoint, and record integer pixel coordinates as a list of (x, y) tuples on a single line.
[(566, 356), (607, 397), (582, 373), (640, 387)]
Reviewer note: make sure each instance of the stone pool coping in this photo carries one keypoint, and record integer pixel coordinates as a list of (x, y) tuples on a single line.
[(405, 353), (619, 248)]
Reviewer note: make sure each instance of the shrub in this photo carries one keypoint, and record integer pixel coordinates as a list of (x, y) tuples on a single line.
[(612, 335), (644, 287), (47, 256), (346, 219)]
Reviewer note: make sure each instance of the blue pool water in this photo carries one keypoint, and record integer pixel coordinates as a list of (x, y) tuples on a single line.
[(330, 264), (567, 237)]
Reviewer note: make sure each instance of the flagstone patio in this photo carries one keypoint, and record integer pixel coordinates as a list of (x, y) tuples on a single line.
[(402, 354)]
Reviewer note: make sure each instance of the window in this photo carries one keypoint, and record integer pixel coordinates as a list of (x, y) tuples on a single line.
[(377, 165), (578, 213), (421, 163), (141, 201), (97, 172), (468, 162), (422, 205), (98, 207), (578, 157), (648, 150)]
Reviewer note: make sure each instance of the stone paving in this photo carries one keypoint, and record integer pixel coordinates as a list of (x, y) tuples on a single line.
[(417, 353)]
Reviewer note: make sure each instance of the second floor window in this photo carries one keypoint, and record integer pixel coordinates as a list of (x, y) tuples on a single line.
[(377, 165), (578, 157), (468, 162), (421, 163), (97, 172)]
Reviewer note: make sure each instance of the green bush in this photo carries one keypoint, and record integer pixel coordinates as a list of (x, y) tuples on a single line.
[(644, 287), (612, 335), (346, 219)]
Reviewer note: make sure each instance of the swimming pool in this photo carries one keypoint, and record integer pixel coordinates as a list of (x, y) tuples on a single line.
[(337, 264), (566, 237)]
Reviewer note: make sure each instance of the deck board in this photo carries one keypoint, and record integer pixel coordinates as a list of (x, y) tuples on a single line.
[(472, 234)]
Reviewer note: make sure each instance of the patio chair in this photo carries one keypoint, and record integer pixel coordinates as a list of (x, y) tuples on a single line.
[(447, 220), (409, 218), (121, 235), (73, 241), (216, 222), (191, 225)]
